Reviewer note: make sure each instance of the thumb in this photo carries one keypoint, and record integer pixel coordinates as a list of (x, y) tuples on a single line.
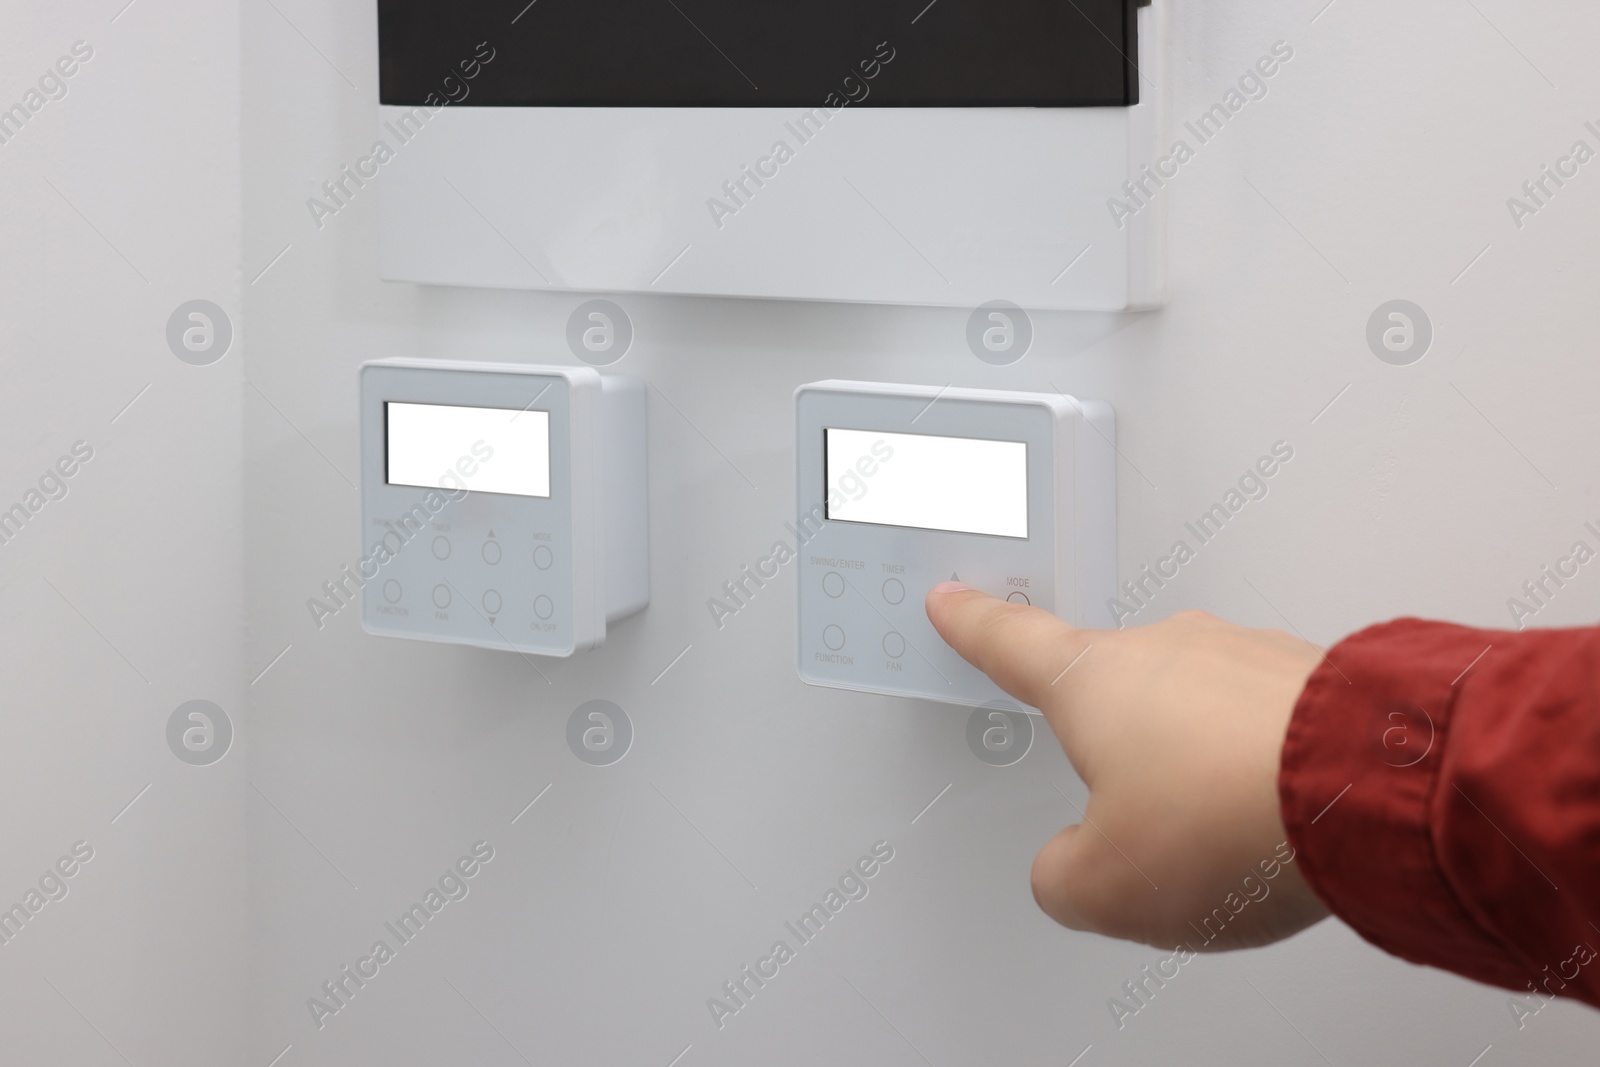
[(1082, 885), (1023, 649), (1054, 876)]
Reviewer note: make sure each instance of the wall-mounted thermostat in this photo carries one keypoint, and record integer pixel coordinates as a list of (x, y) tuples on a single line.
[(502, 505), (892, 151), (902, 487)]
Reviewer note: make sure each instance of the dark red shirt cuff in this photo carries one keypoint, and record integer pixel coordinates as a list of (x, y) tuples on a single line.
[(1441, 787)]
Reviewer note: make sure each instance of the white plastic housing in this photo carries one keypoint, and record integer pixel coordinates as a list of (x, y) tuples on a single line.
[(943, 206), (860, 619), (537, 575)]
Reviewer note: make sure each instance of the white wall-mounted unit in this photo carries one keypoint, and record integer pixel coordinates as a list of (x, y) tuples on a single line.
[(502, 505), (900, 487), (912, 154)]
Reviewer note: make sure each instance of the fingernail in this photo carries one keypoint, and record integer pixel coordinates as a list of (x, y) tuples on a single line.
[(949, 587)]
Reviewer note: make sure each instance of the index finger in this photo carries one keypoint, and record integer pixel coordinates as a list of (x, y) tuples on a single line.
[(1025, 650)]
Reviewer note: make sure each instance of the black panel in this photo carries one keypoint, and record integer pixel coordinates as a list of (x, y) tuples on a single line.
[(759, 53)]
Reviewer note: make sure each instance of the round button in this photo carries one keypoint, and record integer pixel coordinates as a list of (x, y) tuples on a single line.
[(391, 591), (491, 602), (543, 606), (1019, 597), (894, 646), (833, 583), (491, 552), (441, 548), (893, 591), (542, 558), (833, 637), (441, 596)]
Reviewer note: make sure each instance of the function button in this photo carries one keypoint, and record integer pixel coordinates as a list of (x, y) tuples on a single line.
[(833, 584), (441, 548), (833, 637), (491, 552), (491, 602), (392, 591), (1019, 597), (542, 557), (543, 606), (894, 646), (441, 596), (893, 591)]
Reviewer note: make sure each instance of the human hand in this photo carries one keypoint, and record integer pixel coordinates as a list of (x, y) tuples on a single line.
[(1177, 729)]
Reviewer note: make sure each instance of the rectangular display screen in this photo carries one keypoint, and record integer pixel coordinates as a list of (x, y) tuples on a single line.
[(959, 484), (735, 53), (482, 450)]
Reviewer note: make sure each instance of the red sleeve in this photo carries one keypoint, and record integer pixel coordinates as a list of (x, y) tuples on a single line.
[(1441, 788)]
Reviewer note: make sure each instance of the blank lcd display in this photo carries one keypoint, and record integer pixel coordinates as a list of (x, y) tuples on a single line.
[(959, 484), (482, 450)]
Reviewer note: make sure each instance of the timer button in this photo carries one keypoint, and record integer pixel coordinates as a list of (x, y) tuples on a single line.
[(893, 591), (441, 548)]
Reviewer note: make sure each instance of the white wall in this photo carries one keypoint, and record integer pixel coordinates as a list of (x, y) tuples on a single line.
[(123, 599), (1377, 168)]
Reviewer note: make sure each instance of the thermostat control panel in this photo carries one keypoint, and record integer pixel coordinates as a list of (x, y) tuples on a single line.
[(503, 505), (901, 487)]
